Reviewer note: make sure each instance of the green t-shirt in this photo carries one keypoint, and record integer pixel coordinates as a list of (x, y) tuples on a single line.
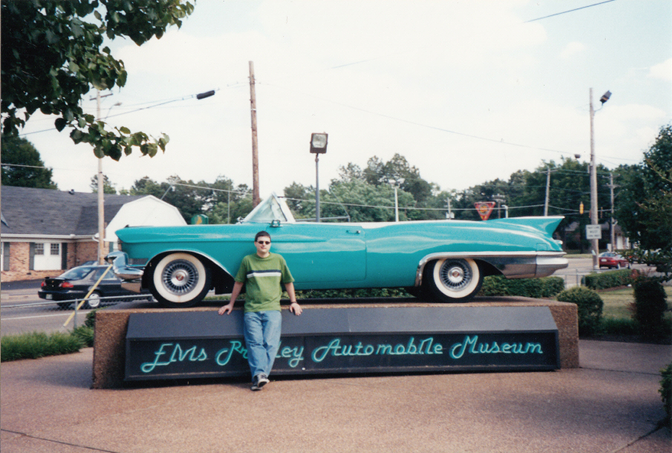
[(263, 278)]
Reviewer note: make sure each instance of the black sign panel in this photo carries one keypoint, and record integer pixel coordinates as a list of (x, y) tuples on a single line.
[(203, 344)]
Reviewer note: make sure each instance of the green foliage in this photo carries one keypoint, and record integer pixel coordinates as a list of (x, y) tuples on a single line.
[(611, 279), (85, 334), (19, 151), (524, 287), (589, 305), (352, 293), (650, 306), (666, 391), (644, 209), (108, 186), (619, 326), (91, 319), (38, 344), (220, 201), (54, 55)]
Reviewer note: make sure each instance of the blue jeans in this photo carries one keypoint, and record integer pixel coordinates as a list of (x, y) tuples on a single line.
[(262, 338)]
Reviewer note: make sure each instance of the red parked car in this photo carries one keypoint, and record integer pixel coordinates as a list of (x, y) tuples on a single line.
[(613, 261)]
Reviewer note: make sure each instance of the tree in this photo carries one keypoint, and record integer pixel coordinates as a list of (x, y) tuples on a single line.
[(52, 57), (220, 201), (396, 172), (108, 186), (27, 169), (177, 192), (645, 203)]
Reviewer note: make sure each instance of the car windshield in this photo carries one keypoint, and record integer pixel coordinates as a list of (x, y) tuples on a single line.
[(77, 273), (271, 209)]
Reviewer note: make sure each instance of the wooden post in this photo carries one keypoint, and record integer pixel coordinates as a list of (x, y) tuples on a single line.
[(255, 151)]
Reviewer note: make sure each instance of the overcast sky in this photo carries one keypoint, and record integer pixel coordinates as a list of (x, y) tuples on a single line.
[(467, 91)]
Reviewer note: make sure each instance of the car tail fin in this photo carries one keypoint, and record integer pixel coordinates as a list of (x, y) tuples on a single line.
[(544, 224)]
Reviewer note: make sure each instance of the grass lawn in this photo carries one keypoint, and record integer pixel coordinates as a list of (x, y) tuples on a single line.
[(617, 302)]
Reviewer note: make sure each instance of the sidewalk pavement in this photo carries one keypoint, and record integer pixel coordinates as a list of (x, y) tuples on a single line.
[(610, 404), (19, 291)]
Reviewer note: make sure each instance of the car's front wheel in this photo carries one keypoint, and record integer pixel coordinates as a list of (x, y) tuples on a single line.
[(180, 280), (453, 280)]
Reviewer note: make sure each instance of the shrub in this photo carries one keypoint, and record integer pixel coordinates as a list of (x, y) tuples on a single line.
[(666, 391), (91, 319), (589, 305), (85, 335), (612, 279), (38, 344), (525, 287), (650, 306), (352, 293)]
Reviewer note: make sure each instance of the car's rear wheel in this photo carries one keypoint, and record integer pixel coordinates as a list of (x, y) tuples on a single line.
[(94, 300), (453, 280), (180, 280)]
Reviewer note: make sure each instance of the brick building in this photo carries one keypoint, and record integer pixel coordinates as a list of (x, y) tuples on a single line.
[(44, 231)]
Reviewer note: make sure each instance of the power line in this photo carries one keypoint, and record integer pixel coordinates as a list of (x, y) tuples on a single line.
[(569, 11), (184, 98)]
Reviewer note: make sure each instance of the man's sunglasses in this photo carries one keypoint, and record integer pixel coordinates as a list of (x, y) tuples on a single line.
[(264, 242)]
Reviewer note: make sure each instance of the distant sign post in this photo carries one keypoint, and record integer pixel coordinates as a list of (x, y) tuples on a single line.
[(593, 232)]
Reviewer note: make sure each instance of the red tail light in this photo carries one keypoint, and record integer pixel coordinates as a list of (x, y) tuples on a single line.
[(66, 285), (43, 284)]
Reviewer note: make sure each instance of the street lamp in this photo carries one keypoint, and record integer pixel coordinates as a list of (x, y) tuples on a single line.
[(318, 145), (595, 243)]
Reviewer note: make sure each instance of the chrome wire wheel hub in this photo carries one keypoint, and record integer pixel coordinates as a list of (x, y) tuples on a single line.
[(180, 277), (455, 275)]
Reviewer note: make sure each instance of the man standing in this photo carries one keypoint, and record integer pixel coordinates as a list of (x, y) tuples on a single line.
[(262, 273)]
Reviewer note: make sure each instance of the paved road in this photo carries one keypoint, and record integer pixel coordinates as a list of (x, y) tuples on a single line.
[(23, 311)]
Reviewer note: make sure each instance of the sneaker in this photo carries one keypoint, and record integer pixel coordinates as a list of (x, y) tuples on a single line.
[(258, 382), (263, 380)]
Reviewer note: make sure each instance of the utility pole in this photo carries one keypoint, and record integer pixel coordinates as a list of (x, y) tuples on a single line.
[(101, 198), (255, 150), (612, 232), (593, 176), (593, 185), (548, 187)]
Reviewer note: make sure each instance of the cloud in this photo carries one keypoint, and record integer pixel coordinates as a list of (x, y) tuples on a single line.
[(662, 71)]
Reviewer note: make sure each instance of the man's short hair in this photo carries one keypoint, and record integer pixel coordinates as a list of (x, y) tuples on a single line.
[(261, 234)]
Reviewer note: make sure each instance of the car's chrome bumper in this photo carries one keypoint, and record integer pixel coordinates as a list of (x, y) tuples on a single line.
[(131, 276), (511, 265)]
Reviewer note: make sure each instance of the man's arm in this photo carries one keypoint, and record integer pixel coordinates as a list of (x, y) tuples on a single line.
[(237, 287), (294, 307)]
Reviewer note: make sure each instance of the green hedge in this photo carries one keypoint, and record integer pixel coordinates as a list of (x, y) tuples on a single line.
[(589, 305), (666, 391), (38, 344), (525, 287), (650, 307), (351, 293), (611, 279)]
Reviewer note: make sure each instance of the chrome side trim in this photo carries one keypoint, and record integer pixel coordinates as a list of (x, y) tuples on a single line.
[(510, 264)]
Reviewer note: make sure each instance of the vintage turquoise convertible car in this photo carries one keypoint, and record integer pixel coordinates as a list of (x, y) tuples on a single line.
[(446, 259)]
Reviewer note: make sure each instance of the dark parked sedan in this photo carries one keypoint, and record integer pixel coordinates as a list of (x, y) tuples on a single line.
[(613, 260), (78, 281)]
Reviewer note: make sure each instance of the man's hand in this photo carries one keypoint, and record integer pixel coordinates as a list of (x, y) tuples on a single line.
[(226, 308), (295, 308)]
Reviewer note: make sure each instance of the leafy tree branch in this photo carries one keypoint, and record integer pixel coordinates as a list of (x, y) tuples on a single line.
[(53, 55)]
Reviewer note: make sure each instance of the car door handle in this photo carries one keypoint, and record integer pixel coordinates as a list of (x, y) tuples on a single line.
[(353, 231)]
